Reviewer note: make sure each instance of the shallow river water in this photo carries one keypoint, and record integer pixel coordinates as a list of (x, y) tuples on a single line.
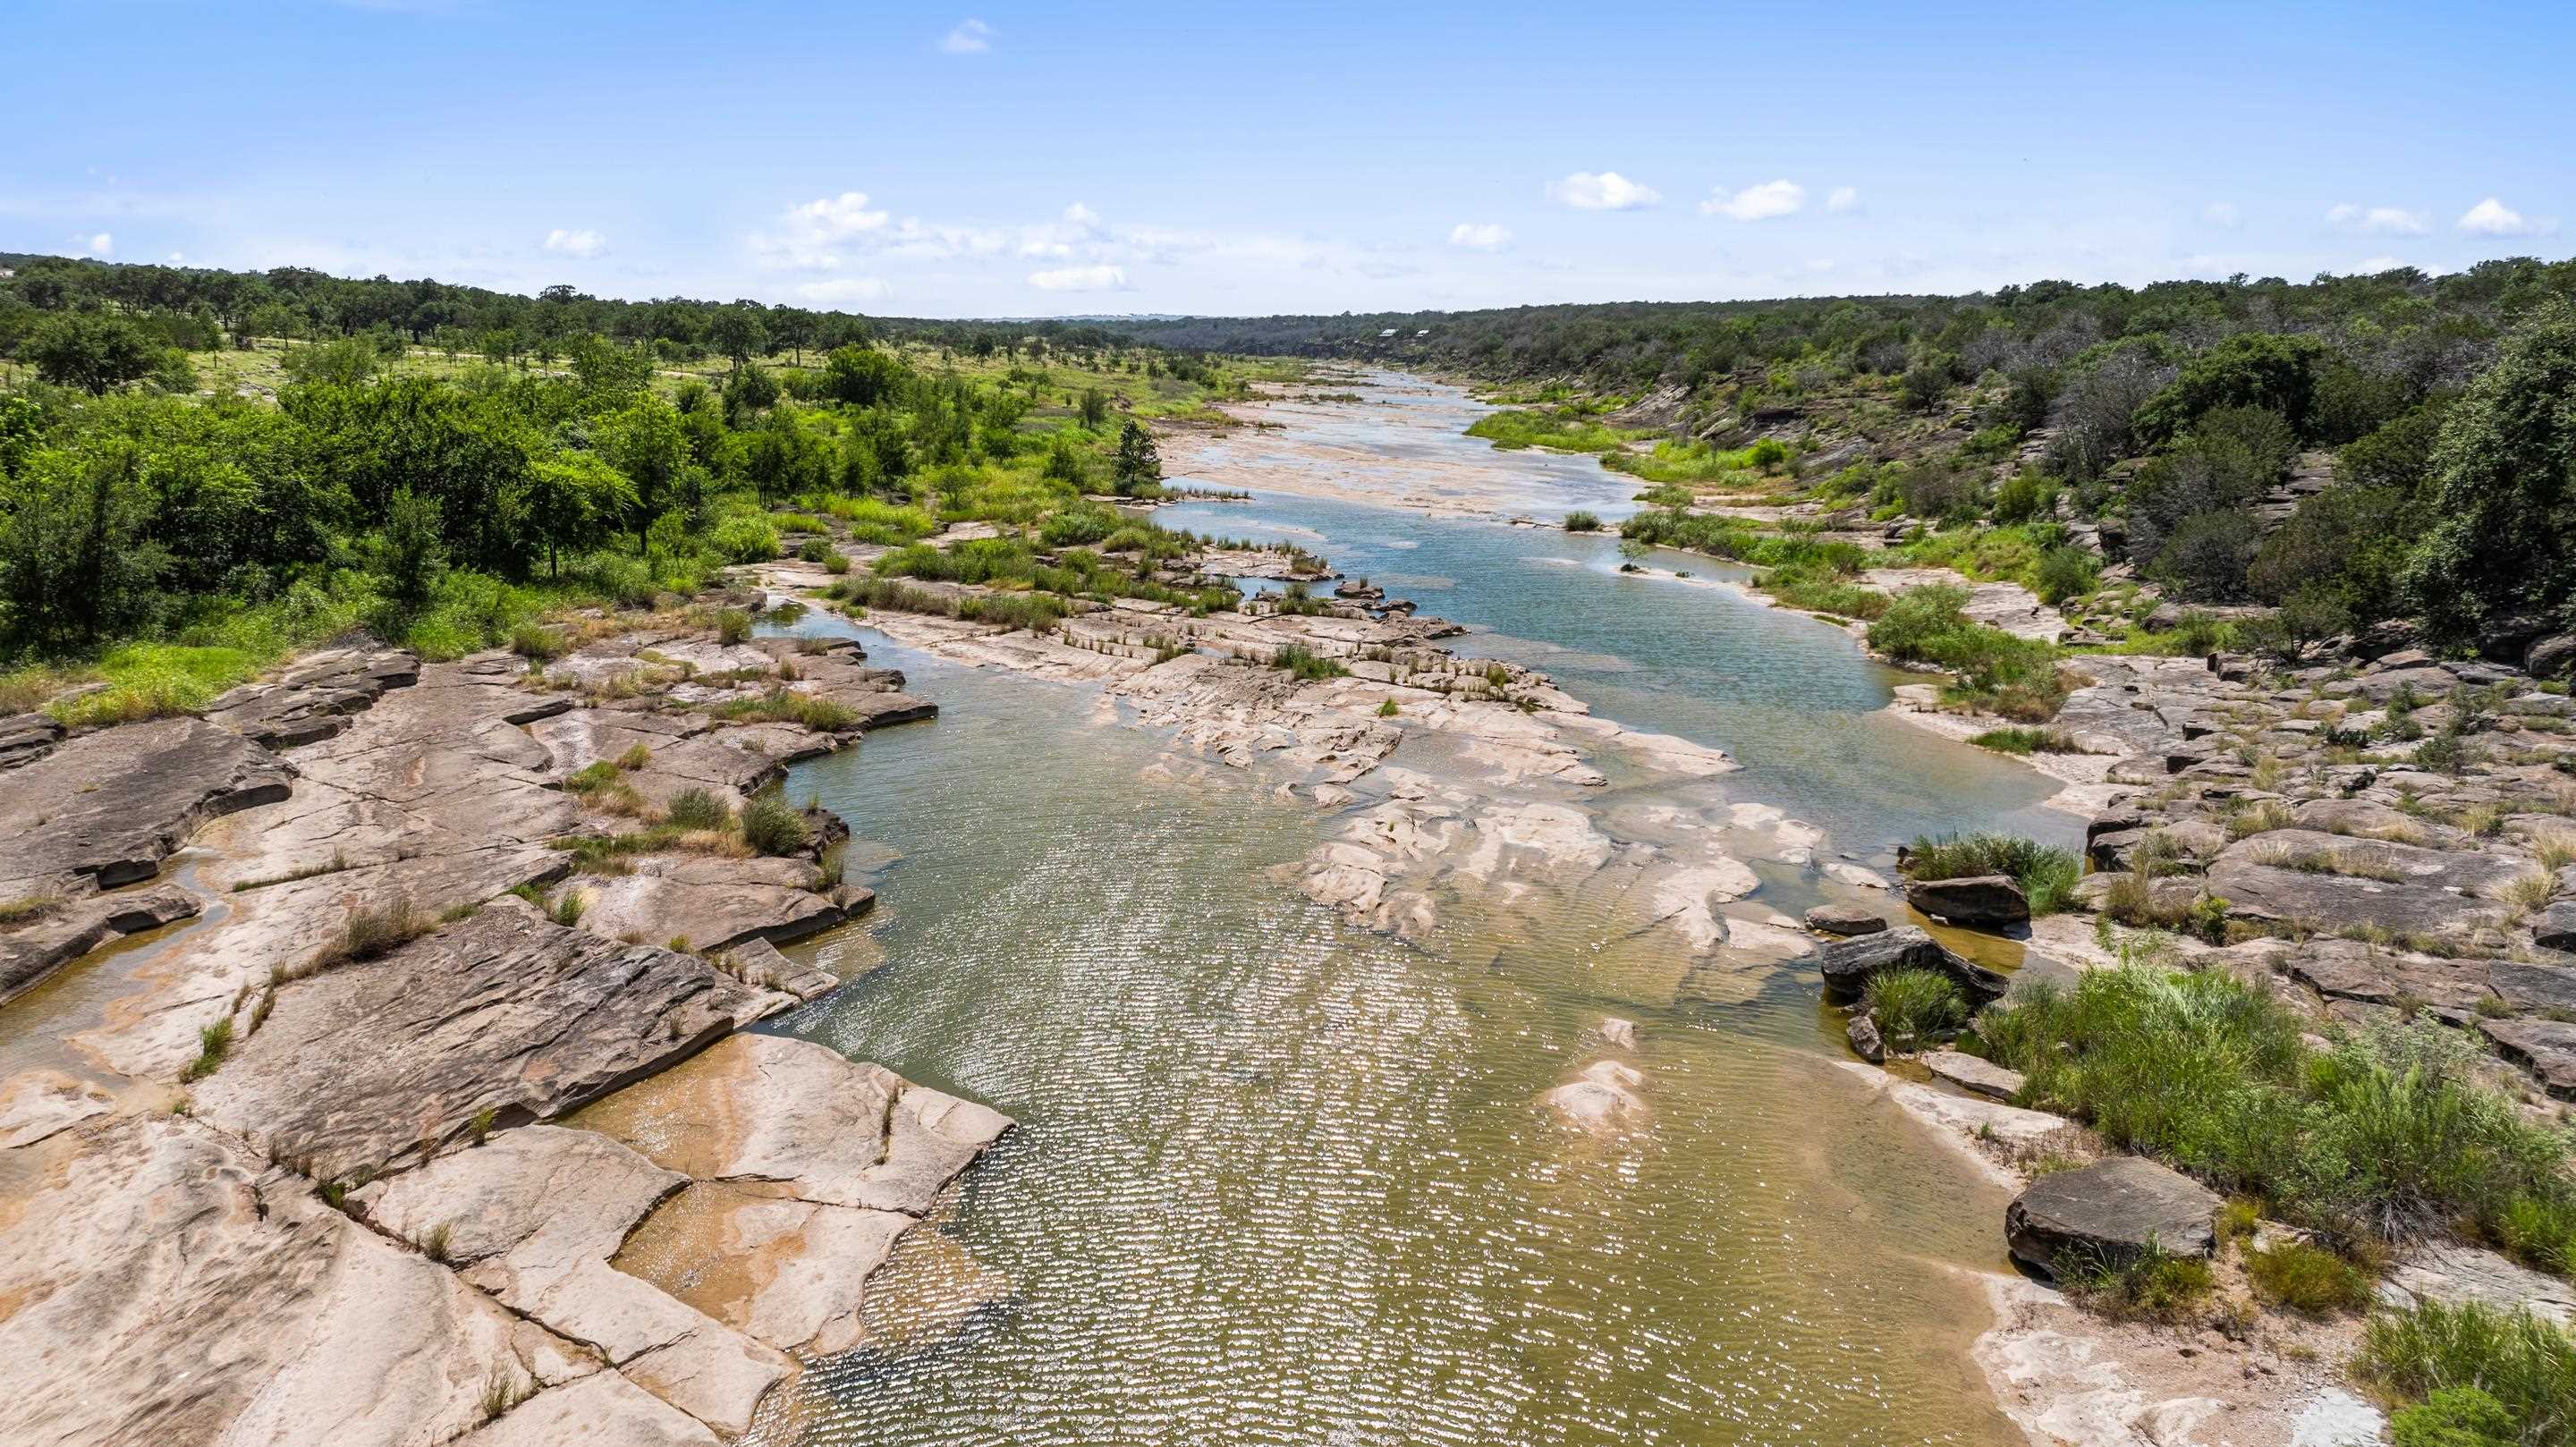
[(1280, 1180)]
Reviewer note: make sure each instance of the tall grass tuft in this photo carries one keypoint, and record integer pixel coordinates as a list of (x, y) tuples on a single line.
[(1914, 1007), (2046, 873), (2526, 1364)]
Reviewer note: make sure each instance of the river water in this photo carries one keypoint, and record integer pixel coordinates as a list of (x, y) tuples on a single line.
[(1280, 1180)]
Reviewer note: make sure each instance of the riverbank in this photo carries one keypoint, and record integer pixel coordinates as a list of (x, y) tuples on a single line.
[(393, 1108)]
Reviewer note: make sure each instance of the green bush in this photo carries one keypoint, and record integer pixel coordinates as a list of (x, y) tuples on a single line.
[(2016, 677), (745, 537), (1914, 1007), (1307, 665), (2308, 1278), (733, 626), (2154, 1285), (2455, 1417), (2066, 572), (2521, 1362), (2028, 741), (772, 826), (696, 809), (1580, 521)]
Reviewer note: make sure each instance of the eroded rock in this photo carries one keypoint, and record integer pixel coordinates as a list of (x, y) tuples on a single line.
[(2114, 1210)]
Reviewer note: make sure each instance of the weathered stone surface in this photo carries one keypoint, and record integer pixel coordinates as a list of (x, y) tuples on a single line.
[(27, 737), (2118, 1208), (377, 1064), (2269, 893), (1845, 920), (1969, 1073), (2533, 987), (767, 1108), (76, 927), (313, 699), (2546, 1048), (166, 1288), (2551, 656), (1848, 964), (2370, 974), (534, 1216), (713, 903), (2463, 870), (2555, 927), (602, 1410), (1862, 1031), (2452, 1273), (36, 1105), (106, 808), (784, 1271), (1983, 899), (1600, 1100)]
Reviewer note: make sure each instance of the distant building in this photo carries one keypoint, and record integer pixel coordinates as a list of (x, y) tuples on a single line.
[(1390, 331), (1426, 331)]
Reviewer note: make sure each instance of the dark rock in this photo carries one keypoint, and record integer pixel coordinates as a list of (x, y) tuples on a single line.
[(2288, 896), (2555, 927), (2115, 1210), (2508, 639), (2533, 987), (1844, 919), (1848, 964), (1862, 1031), (1976, 899), (315, 698), (27, 737), (2551, 656), (2546, 1048), (105, 808)]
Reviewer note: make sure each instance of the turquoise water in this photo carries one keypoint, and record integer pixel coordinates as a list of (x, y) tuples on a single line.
[(1282, 1180)]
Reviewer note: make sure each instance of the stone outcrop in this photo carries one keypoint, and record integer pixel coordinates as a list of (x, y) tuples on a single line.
[(71, 928), (315, 697), (504, 1018), (1984, 899), (1848, 964), (105, 808), (1845, 920), (1969, 1073), (2114, 1211)]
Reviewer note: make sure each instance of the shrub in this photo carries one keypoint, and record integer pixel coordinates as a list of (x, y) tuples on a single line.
[(744, 538), (695, 809), (771, 826), (537, 645), (1306, 665), (1929, 625), (2524, 1364), (2155, 1285), (1913, 1007), (2066, 572), (2308, 1278), (733, 626), (2046, 873), (2455, 1417), (1579, 521), (2028, 741)]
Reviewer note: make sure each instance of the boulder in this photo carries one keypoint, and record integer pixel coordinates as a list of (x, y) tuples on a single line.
[(2554, 928), (1848, 964), (2550, 657), (1862, 1031), (2533, 987), (1980, 899), (1845, 920), (2272, 894), (1969, 1073), (2115, 1210)]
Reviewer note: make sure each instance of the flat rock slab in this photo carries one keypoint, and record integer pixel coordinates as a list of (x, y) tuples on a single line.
[(1984, 899), (36, 1105), (534, 1216), (2545, 1048), (769, 1109), (2289, 896), (76, 927), (602, 1410), (375, 1065), (2468, 871), (1969, 1073), (105, 808), (714, 903), (2118, 1209), (314, 699), (1848, 964), (1845, 920), (790, 1273), (2533, 987), (165, 1287)]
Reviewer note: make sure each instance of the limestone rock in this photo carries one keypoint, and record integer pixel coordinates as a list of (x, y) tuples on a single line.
[(1601, 1100), (76, 927), (2546, 1048), (604, 1410), (2118, 1208), (313, 699), (1969, 1073), (1849, 963), (2555, 927), (36, 1105), (1845, 920), (712, 902), (378, 1064), (1984, 899), (2533, 987), (105, 808)]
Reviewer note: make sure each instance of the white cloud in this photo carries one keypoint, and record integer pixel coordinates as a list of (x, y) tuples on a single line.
[(2373, 266), (1756, 203), (1078, 214), (2221, 213), (583, 243), (99, 244), (2376, 219), (844, 288), (807, 236), (1844, 198), (971, 37), (1080, 278), (178, 256), (2492, 217), (1602, 191), (1479, 237)]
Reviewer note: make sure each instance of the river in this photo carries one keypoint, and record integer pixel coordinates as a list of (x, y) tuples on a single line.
[(1280, 1180)]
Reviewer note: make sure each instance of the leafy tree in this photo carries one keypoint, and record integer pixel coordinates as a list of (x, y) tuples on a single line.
[(738, 333), (2503, 496), (1139, 464), (410, 553), (89, 350), (75, 562), (2206, 558), (863, 376), (573, 502), (2251, 369), (468, 453), (646, 444), (347, 361), (1094, 407), (752, 390)]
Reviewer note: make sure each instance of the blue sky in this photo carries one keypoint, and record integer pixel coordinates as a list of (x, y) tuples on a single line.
[(1004, 159)]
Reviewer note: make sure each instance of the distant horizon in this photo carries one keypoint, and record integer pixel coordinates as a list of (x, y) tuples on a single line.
[(1012, 160)]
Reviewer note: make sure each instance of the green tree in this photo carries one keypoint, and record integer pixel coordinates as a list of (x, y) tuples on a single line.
[(410, 552), (2250, 369), (75, 562), (1139, 464), (89, 350), (863, 376), (573, 502), (738, 333), (1094, 407), (645, 443), (2503, 491)]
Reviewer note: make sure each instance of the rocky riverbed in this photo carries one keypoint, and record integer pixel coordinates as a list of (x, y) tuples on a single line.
[(409, 1099)]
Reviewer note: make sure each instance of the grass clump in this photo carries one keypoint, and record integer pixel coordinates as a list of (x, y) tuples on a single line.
[(2387, 1135), (212, 1043), (2523, 1365), (2046, 873), (1999, 672), (1914, 1007), (771, 826), (28, 907), (786, 705), (2155, 1285), (2029, 741), (1387, 709), (2307, 1278), (1306, 665), (733, 625), (1580, 521), (696, 809)]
